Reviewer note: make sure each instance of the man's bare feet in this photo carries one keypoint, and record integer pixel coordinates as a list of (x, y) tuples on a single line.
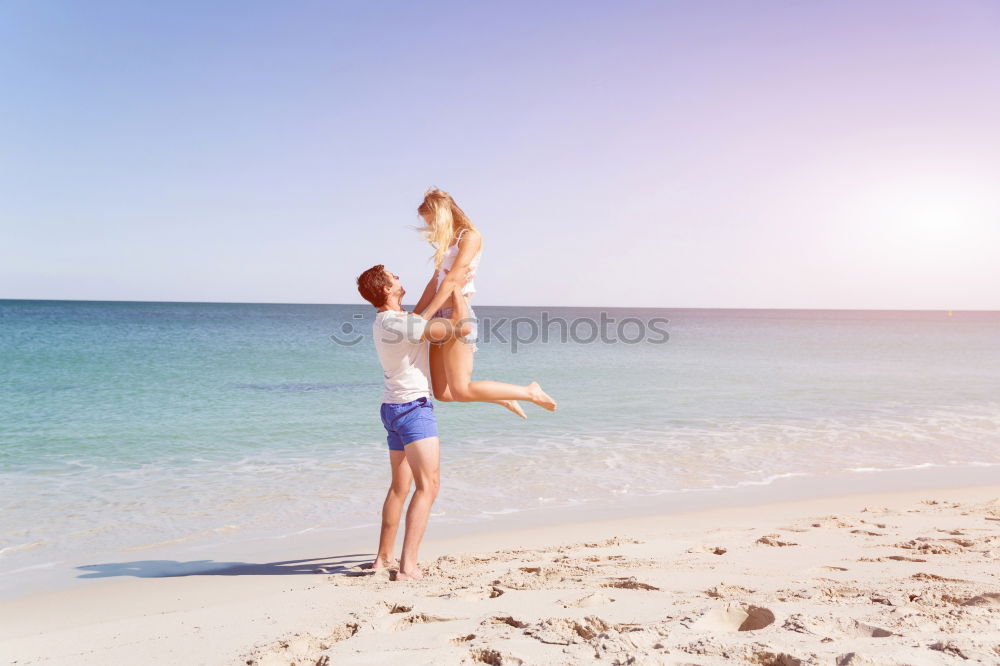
[(514, 406), (411, 574), (540, 397), (380, 563)]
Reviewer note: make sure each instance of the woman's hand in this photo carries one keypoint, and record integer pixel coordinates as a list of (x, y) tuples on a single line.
[(455, 274)]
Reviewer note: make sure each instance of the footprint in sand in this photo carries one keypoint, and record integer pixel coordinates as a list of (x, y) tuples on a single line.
[(894, 558), (835, 521), (564, 631), (598, 558), (613, 541), (724, 591), (299, 646), (395, 608), (537, 578), (593, 599), (774, 540), (984, 600), (494, 657), (987, 599), (418, 618), (629, 584), (732, 618), (950, 648), (762, 656), (504, 619), (934, 578), (473, 594), (838, 628), (792, 528), (929, 546)]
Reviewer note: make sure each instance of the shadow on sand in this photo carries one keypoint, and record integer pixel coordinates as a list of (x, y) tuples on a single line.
[(339, 564)]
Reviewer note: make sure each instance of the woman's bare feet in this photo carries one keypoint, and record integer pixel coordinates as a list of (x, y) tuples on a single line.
[(540, 397), (514, 406), (380, 563)]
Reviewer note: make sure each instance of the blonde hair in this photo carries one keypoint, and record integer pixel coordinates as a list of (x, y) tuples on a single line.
[(446, 221)]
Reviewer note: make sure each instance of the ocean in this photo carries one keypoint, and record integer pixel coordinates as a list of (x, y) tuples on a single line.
[(131, 426)]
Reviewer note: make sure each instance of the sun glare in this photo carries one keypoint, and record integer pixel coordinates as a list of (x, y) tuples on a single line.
[(924, 216)]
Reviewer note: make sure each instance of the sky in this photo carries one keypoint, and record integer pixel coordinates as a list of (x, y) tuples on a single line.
[(767, 154)]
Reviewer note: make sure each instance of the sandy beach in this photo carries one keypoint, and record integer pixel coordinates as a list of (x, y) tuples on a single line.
[(675, 324), (896, 578)]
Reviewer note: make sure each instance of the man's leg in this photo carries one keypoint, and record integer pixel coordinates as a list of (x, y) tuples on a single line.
[(392, 508), (423, 456)]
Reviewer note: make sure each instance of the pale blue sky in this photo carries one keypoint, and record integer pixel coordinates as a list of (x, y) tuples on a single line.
[(671, 154)]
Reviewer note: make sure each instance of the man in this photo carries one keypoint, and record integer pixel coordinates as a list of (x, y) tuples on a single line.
[(407, 411)]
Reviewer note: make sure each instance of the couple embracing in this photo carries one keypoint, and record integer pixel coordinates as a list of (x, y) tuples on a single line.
[(429, 348)]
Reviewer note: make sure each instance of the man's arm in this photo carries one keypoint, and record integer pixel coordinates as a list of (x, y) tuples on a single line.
[(439, 329), (425, 298), (453, 283)]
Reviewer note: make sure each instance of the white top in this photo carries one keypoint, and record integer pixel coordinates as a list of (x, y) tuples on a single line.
[(403, 354), (449, 260)]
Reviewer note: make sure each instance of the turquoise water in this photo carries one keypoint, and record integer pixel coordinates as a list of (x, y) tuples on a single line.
[(127, 425)]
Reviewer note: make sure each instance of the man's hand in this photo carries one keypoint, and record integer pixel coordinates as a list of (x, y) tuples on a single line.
[(453, 283), (440, 330)]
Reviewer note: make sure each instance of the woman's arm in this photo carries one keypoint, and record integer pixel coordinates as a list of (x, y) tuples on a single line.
[(425, 298), (441, 330), (458, 275)]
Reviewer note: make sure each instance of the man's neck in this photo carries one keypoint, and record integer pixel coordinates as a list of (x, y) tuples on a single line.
[(393, 304)]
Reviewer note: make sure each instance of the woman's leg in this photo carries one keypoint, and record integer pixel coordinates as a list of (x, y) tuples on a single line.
[(458, 367), (439, 380)]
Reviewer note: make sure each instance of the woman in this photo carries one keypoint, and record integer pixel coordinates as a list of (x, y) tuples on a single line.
[(458, 245)]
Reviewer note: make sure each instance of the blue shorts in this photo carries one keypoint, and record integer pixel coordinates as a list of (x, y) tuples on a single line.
[(408, 422)]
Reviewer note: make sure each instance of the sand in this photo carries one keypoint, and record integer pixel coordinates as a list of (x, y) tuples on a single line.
[(895, 578)]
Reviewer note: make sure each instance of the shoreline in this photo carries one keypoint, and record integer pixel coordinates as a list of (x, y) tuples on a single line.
[(213, 616), (191, 556)]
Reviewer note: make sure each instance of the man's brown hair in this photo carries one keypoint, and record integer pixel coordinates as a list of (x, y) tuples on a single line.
[(372, 284)]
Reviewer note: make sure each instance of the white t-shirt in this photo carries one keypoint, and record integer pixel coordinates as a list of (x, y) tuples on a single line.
[(404, 356)]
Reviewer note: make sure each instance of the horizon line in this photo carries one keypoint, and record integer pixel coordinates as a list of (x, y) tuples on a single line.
[(602, 307)]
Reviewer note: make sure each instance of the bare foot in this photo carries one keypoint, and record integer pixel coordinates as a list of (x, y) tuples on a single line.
[(540, 397), (514, 406), (379, 563), (412, 574)]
